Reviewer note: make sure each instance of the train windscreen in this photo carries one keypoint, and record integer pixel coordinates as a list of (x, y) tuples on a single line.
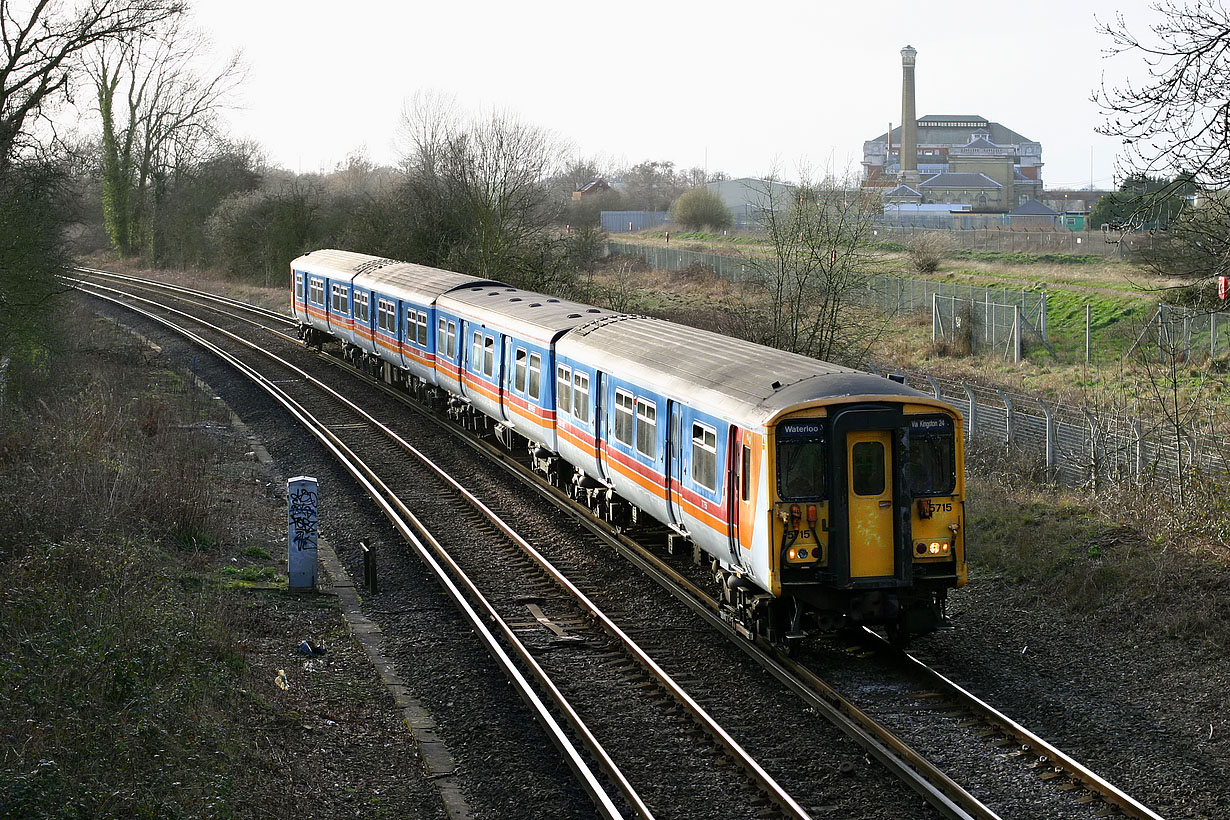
[(933, 453), (801, 455)]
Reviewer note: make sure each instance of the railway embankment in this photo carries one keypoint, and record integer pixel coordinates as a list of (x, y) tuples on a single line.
[(149, 648)]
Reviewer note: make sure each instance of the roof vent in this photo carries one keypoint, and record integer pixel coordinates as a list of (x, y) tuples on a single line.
[(776, 385), (593, 310), (553, 300), (535, 304), (899, 378), (515, 299), (574, 316)]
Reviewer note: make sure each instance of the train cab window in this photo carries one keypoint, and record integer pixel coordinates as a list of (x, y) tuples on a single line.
[(933, 456), (563, 388), (580, 397), (625, 417), (535, 375), (421, 330), (801, 467), (489, 356), (647, 429), (867, 467), (519, 370), (704, 456)]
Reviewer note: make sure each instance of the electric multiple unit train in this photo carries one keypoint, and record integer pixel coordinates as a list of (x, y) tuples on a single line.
[(822, 496)]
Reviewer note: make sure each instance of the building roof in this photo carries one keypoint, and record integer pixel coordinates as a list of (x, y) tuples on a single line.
[(1033, 207), (903, 190), (964, 180), (931, 132)]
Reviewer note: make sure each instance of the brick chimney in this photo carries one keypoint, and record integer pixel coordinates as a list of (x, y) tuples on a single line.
[(909, 121)]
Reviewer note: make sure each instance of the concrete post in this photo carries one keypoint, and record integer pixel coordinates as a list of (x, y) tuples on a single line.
[(303, 497), (972, 427)]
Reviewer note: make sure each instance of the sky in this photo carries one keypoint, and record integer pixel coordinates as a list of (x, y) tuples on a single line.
[(743, 88)]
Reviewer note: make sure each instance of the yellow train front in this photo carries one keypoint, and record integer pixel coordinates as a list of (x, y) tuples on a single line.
[(867, 511)]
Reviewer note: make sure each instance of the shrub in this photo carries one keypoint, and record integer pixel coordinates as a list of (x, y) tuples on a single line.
[(927, 249), (699, 208)]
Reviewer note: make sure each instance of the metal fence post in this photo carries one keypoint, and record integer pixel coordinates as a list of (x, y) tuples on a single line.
[(935, 388), (1050, 439), (936, 326), (1016, 333), (973, 411), (1088, 330), (1009, 417), (1042, 321)]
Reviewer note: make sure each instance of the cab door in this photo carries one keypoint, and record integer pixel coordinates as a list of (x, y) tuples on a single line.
[(674, 463), (870, 503)]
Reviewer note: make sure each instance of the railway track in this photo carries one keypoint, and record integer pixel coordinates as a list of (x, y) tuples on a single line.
[(554, 630)]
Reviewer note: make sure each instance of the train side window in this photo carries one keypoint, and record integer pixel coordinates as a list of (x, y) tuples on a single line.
[(519, 380), (563, 388), (362, 308), (440, 334), (422, 329), (452, 340), (476, 352), (933, 456), (647, 429), (535, 375), (580, 396), (704, 456), (489, 356), (625, 417), (316, 291), (412, 321), (746, 472), (867, 468), (299, 284), (386, 315)]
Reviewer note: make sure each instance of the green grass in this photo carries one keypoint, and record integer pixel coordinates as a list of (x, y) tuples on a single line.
[(1020, 258), (1112, 319)]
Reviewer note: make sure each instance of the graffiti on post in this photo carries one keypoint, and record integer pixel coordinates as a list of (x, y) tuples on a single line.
[(303, 518)]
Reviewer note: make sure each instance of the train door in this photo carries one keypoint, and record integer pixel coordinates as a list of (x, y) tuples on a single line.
[(734, 457), (674, 463), (870, 503), (505, 376)]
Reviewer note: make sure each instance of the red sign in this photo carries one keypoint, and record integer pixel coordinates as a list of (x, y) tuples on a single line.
[(1223, 287)]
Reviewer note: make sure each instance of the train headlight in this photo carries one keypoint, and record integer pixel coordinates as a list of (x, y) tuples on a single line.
[(927, 549)]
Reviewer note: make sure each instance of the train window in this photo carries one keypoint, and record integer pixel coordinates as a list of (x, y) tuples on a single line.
[(625, 418), (647, 429), (580, 396), (932, 456), (386, 315), (440, 334), (475, 353), (452, 340), (801, 468), (341, 300), (299, 284), (535, 375), (489, 356), (704, 456), (563, 388), (867, 467), (412, 321), (422, 329), (746, 472), (519, 380), (316, 291), (363, 307)]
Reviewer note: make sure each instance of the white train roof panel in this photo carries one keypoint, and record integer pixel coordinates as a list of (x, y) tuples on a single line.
[(403, 280), (747, 383), (522, 313)]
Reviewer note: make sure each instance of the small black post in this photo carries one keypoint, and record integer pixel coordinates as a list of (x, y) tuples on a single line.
[(369, 568)]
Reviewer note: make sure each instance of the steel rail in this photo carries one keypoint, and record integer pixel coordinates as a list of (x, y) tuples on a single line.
[(226, 300), (394, 511), (773, 789)]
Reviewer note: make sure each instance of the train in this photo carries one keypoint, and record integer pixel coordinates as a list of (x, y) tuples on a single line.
[(821, 496)]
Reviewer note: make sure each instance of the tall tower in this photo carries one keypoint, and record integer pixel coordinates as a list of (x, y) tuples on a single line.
[(909, 120)]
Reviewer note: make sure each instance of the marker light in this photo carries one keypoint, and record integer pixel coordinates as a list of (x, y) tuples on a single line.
[(812, 515)]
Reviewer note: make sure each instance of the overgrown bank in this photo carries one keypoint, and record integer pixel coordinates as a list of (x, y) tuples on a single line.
[(143, 621)]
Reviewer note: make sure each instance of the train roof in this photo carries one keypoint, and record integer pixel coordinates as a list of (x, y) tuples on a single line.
[(523, 313), (749, 383), (401, 280)]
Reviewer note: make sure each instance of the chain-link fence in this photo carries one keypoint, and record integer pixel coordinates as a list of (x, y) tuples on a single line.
[(970, 316), (1004, 239), (1190, 332), (1077, 446)]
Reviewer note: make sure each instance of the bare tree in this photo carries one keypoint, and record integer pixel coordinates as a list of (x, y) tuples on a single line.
[(1175, 126), (165, 112), (820, 261), (44, 41), (478, 192)]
